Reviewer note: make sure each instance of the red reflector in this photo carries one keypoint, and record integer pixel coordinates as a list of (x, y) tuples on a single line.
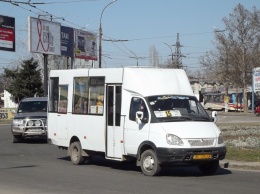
[(54, 134), (121, 141), (85, 137)]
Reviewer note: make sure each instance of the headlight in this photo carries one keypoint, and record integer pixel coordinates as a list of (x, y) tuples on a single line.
[(18, 122), (30, 123), (173, 139), (220, 139), (38, 123)]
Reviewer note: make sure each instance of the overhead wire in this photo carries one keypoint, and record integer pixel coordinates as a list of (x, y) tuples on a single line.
[(54, 17)]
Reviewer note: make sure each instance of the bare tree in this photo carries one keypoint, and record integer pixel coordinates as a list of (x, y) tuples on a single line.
[(237, 49), (154, 57)]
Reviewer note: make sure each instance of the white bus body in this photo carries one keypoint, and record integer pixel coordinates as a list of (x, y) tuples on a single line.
[(95, 111)]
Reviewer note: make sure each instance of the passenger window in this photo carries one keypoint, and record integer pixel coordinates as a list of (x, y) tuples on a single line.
[(63, 99), (96, 95), (80, 95), (53, 94)]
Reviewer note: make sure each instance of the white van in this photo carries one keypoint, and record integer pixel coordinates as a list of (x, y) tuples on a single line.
[(148, 115)]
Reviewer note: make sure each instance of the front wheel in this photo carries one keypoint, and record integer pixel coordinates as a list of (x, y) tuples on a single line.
[(17, 138), (209, 168), (75, 155), (149, 163)]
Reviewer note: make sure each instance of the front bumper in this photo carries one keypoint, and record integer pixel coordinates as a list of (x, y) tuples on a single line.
[(174, 156), (29, 132), (30, 127)]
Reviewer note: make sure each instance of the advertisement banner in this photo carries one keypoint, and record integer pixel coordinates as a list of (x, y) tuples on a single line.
[(86, 45), (256, 79), (7, 33), (7, 113), (44, 36), (67, 41)]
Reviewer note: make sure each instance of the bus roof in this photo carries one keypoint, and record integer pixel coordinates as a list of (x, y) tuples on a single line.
[(143, 81)]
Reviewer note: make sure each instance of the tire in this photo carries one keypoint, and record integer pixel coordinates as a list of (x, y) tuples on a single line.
[(209, 168), (17, 138), (87, 159), (149, 163), (76, 156)]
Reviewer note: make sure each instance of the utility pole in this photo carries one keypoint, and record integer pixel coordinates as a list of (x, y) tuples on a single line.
[(177, 54)]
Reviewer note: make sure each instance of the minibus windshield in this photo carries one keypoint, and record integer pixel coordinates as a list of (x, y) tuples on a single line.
[(169, 108)]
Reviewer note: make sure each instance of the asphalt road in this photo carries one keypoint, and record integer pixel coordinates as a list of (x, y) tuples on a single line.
[(34, 167)]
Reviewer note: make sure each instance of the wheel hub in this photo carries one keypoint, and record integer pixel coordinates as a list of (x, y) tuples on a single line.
[(148, 163)]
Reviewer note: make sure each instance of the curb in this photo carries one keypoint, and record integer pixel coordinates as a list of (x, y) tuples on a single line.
[(240, 165), (5, 122)]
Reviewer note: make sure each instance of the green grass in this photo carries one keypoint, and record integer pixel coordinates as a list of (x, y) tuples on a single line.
[(240, 154)]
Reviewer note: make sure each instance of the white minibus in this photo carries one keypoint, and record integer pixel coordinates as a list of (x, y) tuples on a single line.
[(147, 115)]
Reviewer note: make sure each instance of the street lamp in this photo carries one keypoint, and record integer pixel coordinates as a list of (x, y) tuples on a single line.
[(100, 33), (137, 59), (226, 65), (171, 51)]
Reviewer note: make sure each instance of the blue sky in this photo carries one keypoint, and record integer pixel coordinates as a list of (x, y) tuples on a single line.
[(144, 23)]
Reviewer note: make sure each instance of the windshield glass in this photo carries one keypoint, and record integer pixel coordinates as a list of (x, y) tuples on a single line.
[(32, 106), (177, 108)]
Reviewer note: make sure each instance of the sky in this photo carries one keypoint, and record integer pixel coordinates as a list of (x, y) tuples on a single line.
[(145, 24)]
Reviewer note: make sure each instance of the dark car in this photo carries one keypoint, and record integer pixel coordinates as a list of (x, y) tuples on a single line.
[(30, 119), (255, 103), (257, 109)]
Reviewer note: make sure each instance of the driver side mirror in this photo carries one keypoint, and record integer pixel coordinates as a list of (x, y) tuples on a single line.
[(138, 117), (214, 116)]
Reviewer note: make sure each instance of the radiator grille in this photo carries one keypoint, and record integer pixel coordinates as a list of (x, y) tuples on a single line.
[(201, 142)]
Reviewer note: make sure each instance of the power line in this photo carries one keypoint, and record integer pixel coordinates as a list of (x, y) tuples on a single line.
[(16, 3), (57, 2)]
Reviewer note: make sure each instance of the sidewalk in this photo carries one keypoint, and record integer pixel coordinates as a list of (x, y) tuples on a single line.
[(5, 121), (231, 164), (234, 113)]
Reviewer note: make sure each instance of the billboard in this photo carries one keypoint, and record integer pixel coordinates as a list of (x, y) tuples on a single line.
[(44, 36), (67, 41), (7, 33), (85, 45), (256, 79)]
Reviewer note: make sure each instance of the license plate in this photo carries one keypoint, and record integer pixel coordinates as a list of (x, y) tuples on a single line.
[(35, 130), (202, 156)]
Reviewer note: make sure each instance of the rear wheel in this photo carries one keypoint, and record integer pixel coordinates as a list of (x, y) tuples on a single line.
[(17, 138), (209, 168), (149, 163), (76, 153)]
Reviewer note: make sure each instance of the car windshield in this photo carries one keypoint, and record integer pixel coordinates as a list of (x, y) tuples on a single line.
[(32, 106), (177, 108)]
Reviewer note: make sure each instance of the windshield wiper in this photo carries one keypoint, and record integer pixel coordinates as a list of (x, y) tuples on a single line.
[(202, 118), (181, 118)]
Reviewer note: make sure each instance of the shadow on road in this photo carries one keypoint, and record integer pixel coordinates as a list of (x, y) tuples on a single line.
[(34, 141), (176, 171)]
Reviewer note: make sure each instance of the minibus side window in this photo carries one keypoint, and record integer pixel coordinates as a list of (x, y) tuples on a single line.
[(63, 99), (80, 95), (53, 94), (96, 95)]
